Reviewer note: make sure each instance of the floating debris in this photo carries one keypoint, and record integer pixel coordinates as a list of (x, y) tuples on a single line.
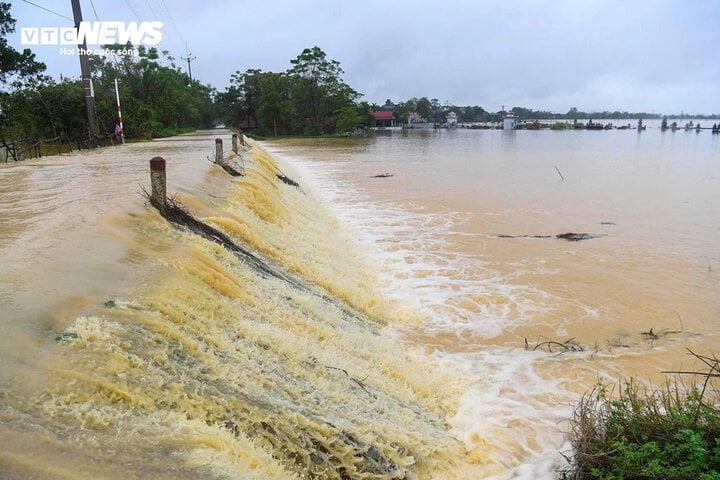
[(569, 236)]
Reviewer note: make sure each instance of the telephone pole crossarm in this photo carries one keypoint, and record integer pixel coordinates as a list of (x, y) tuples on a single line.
[(189, 59)]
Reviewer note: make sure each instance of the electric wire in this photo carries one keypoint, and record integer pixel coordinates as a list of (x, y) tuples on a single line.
[(174, 46), (94, 11), (132, 9), (162, 4), (48, 10)]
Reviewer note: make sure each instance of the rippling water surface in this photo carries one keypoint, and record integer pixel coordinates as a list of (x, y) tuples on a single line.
[(460, 231)]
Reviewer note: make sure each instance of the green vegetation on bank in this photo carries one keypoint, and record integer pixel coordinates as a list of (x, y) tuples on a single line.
[(643, 433)]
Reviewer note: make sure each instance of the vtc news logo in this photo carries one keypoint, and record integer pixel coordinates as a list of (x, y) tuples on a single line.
[(95, 33)]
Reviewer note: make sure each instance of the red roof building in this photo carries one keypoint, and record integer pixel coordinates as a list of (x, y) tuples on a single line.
[(383, 118)]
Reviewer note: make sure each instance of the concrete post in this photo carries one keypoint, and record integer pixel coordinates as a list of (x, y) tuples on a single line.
[(235, 142), (218, 150), (158, 183)]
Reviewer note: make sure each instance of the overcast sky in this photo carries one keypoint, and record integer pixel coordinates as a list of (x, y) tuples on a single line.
[(636, 55)]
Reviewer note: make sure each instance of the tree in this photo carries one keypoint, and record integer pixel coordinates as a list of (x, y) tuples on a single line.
[(424, 108), (19, 66), (244, 95), (354, 117), (275, 107), (317, 90), (155, 96)]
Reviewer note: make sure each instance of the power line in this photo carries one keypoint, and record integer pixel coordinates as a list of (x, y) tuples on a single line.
[(94, 11), (166, 13), (133, 10), (152, 10), (172, 20), (48, 10)]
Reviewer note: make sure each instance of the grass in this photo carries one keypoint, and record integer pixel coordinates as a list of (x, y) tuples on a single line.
[(634, 431)]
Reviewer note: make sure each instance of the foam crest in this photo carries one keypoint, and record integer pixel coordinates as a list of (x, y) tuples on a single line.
[(421, 269), (449, 304)]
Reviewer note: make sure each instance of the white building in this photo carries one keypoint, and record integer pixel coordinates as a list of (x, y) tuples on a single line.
[(509, 122)]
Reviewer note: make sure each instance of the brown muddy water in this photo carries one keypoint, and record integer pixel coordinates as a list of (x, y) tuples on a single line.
[(455, 230), (133, 349)]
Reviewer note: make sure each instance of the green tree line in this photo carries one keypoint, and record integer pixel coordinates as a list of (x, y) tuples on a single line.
[(158, 98), (309, 98)]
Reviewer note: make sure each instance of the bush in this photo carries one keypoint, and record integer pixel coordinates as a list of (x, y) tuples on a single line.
[(639, 432)]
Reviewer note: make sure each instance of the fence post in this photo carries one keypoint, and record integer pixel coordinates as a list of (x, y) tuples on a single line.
[(218, 150), (235, 142), (158, 183)]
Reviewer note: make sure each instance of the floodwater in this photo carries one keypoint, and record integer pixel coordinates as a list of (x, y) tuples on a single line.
[(414, 343), (459, 230)]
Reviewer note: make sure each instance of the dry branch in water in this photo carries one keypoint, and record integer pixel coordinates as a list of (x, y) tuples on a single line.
[(552, 346)]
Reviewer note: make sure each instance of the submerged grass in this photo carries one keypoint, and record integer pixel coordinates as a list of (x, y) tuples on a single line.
[(635, 431)]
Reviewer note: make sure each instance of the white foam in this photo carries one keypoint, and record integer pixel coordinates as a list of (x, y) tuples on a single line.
[(507, 409)]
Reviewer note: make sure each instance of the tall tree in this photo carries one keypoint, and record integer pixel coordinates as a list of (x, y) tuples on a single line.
[(318, 91), (275, 108), (245, 91), (20, 67)]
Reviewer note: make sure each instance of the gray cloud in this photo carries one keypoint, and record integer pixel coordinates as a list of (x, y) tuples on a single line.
[(646, 55)]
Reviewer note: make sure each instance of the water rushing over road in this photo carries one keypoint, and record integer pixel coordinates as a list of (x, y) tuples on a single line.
[(133, 349)]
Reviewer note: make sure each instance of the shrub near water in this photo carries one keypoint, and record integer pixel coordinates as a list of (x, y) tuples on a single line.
[(642, 433)]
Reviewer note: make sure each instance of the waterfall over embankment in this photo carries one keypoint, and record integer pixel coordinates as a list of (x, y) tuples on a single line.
[(190, 362)]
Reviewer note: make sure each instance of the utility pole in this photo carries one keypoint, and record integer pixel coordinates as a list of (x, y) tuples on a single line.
[(189, 59), (120, 121), (85, 72)]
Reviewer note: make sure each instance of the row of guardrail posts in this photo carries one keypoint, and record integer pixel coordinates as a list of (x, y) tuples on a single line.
[(158, 176)]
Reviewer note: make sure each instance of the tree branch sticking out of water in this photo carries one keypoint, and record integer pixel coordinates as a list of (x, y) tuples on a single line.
[(177, 214), (559, 173), (552, 346)]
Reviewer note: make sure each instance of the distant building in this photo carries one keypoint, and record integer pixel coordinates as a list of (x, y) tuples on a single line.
[(416, 121), (383, 119), (414, 117), (509, 122), (451, 120)]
